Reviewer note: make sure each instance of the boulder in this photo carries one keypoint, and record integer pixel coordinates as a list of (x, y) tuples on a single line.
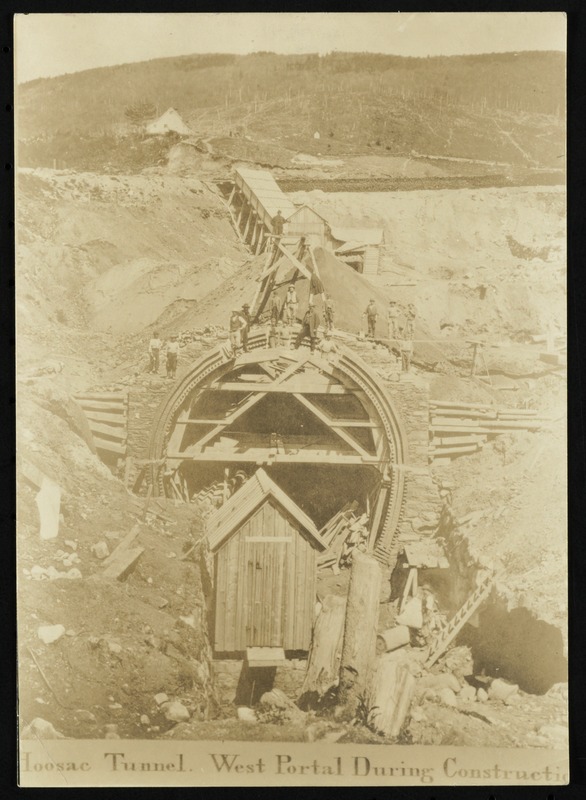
[(50, 633), (447, 697), (412, 614), (39, 728), (468, 693), (100, 550), (482, 695), (246, 714), (501, 690), (175, 712)]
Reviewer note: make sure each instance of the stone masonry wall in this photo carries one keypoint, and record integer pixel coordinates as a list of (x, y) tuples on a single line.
[(235, 684)]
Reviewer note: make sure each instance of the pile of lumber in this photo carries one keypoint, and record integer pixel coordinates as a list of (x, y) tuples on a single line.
[(215, 494), (343, 534), (107, 414), (458, 429)]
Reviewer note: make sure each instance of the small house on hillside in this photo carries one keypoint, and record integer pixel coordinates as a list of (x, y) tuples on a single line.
[(359, 247), (265, 565), (304, 221), (169, 121)]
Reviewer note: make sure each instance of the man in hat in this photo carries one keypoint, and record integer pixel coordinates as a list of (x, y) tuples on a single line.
[(392, 320), (172, 353), (274, 309), (371, 314), (405, 342), (291, 304), (278, 224), (154, 352), (327, 346), (237, 323), (410, 321), (329, 313), (245, 314), (309, 327)]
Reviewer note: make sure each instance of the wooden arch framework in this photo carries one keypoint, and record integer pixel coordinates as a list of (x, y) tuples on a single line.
[(372, 436)]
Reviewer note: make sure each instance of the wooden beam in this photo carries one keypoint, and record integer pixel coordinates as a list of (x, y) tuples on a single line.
[(114, 447), (115, 419), (292, 386), (244, 406), (269, 457), (336, 428), (295, 261), (108, 430)]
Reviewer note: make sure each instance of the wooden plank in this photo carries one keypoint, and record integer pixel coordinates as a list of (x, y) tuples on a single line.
[(101, 405), (463, 414), (266, 457), (113, 447), (99, 416), (471, 423), (120, 396), (463, 405), (244, 406), (109, 430), (463, 450)]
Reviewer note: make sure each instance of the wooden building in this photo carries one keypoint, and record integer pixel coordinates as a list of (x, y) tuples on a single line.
[(359, 247), (254, 202), (265, 561), (304, 221)]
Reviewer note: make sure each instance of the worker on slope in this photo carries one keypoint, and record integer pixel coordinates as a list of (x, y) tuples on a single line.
[(291, 305), (172, 353), (154, 353), (405, 342), (371, 315), (410, 323), (392, 318), (309, 327), (237, 323), (329, 313), (278, 224), (245, 314)]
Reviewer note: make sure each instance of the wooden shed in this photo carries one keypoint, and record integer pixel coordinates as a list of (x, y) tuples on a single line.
[(265, 550), (304, 221), (359, 247)]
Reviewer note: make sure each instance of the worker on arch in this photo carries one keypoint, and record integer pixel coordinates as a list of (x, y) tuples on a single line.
[(291, 304), (309, 328), (371, 315)]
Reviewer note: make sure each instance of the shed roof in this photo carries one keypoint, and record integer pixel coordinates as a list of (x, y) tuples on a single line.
[(243, 502), (309, 208), (170, 120), (358, 236), (266, 190)]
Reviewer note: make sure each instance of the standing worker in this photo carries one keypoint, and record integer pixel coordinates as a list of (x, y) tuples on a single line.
[(309, 327), (405, 342), (237, 323), (154, 353), (172, 353), (329, 313), (371, 314), (245, 314), (278, 224), (392, 320), (327, 346), (291, 304)]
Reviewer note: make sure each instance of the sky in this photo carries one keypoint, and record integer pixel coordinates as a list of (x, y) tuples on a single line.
[(53, 44)]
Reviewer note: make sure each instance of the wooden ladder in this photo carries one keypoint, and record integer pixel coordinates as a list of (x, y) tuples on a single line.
[(449, 632)]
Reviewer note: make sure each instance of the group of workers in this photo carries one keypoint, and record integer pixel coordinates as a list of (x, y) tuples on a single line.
[(401, 333), (172, 351)]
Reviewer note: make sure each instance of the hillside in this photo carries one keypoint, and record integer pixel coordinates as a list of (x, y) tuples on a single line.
[(494, 107)]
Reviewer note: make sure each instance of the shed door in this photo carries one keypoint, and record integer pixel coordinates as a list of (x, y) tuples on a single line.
[(266, 542)]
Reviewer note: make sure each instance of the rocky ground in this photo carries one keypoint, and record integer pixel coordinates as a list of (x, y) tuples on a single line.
[(101, 261)]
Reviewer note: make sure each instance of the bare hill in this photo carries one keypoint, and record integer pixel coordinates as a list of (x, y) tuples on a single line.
[(496, 107)]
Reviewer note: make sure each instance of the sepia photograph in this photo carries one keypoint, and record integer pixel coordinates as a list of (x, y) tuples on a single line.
[(291, 399)]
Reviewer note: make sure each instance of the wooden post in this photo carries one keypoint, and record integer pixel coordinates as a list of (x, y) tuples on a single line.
[(390, 696), (358, 650), (323, 662)]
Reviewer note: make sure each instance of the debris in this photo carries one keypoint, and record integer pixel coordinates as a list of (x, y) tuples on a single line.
[(246, 714), (482, 695), (161, 698), (144, 720), (100, 550), (71, 544), (392, 639), (278, 704), (114, 647), (175, 712), (122, 564), (323, 663), (445, 680), (39, 728), (50, 633)]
